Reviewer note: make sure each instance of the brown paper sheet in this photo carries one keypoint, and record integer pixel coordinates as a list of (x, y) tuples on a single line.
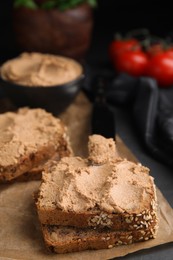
[(20, 235)]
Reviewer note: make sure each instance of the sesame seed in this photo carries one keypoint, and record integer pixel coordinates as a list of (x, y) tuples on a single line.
[(127, 220), (147, 217)]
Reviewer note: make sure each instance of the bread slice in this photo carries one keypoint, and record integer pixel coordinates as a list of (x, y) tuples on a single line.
[(60, 239), (28, 139), (36, 173), (111, 192)]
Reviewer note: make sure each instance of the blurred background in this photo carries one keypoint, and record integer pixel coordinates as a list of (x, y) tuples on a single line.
[(110, 16)]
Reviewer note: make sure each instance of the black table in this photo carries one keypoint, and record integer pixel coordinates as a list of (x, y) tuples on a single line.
[(163, 178)]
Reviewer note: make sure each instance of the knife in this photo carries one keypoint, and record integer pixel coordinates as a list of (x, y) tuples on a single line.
[(103, 116)]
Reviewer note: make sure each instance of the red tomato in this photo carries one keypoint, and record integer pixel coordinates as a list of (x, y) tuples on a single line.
[(132, 62), (154, 50), (160, 67), (158, 48), (118, 46)]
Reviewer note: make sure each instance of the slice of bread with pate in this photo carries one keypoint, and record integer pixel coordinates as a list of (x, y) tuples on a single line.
[(60, 239), (28, 139), (100, 191)]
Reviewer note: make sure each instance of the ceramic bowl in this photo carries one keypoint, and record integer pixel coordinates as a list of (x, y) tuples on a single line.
[(54, 99)]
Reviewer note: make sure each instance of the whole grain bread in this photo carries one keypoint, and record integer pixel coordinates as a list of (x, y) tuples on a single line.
[(60, 239), (28, 139), (36, 173), (98, 192)]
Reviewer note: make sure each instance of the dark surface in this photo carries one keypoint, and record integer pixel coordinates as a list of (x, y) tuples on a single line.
[(112, 16), (103, 118), (162, 174)]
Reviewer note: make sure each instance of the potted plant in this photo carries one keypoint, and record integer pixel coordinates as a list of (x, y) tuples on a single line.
[(54, 26)]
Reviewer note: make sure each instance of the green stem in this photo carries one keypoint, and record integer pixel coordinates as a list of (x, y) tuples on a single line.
[(51, 4), (138, 32)]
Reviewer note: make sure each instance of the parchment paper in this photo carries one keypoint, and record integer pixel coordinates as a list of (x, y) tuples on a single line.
[(20, 235)]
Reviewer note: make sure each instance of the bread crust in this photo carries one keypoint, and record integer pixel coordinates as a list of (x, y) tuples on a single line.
[(26, 163), (97, 219), (67, 239), (32, 160)]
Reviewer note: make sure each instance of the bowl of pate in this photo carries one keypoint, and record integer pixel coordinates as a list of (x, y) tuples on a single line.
[(42, 80)]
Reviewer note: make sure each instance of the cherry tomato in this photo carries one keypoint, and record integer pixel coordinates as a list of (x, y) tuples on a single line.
[(154, 49), (160, 67), (158, 48), (118, 46), (132, 62)]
